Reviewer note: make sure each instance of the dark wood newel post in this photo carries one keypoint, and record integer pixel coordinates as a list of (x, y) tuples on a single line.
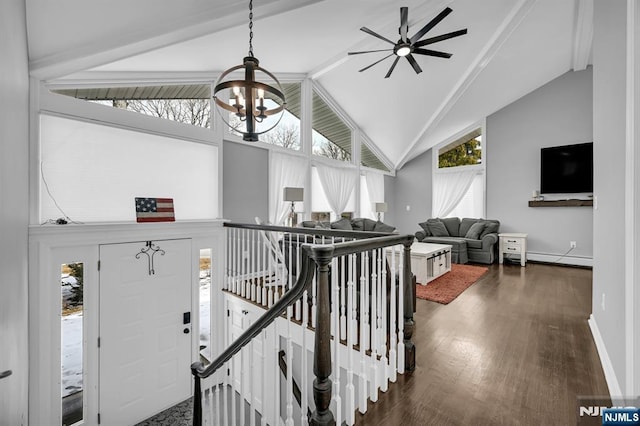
[(197, 395), (409, 302), (322, 415)]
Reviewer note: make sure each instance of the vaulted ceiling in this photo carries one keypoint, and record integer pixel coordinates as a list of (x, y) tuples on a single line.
[(512, 47)]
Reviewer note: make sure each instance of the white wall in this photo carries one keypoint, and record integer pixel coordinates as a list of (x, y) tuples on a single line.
[(609, 110), (558, 113), (412, 187), (14, 213), (245, 182)]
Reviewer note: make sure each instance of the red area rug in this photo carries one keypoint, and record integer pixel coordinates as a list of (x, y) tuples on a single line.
[(449, 286)]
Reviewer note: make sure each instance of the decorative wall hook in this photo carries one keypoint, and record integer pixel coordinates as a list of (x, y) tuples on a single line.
[(150, 247)]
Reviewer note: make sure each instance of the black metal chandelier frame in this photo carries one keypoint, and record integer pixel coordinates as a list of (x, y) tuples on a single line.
[(248, 95)]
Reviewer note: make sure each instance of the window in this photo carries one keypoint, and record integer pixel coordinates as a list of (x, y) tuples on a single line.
[(462, 152), (320, 206), (186, 103), (369, 159), (92, 172), (72, 324), (205, 305), (458, 178), (287, 133), (331, 136)]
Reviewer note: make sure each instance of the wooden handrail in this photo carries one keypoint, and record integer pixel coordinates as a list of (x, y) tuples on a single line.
[(312, 256)]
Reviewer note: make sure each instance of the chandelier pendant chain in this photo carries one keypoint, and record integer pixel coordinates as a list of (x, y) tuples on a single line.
[(251, 28)]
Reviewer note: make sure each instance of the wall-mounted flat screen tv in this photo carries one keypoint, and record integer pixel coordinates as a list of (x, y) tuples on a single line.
[(566, 169)]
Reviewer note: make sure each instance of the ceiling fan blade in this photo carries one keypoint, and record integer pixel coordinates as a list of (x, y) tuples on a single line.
[(368, 31), (413, 63), (417, 36), (392, 67), (432, 53), (369, 51), (376, 62), (404, 27), (440, 38)]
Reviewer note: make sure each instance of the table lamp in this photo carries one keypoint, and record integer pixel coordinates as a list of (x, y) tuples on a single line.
[(292, 195), (381, 208)]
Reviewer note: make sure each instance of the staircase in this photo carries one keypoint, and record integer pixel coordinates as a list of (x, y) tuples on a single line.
[(332, 309)]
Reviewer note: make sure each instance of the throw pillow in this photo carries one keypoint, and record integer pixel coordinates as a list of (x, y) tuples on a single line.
[(491, 227), (369, 224), (344, 224), (424, 226), (474, 231), (453, 226), (383, 227), (437, 229), (357, 224)]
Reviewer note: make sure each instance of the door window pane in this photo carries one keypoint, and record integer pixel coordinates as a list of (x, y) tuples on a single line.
[(205, 306), (72, 285)]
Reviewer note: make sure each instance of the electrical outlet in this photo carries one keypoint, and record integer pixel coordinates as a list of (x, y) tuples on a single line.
[(603, 305), (572, 244)]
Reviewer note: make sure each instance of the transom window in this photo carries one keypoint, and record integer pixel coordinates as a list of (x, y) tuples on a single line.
[(466, 151), (331, 136)]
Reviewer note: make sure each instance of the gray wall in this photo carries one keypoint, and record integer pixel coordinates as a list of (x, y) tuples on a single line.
[(14, 212), (245, 183), (412, 187), (558, 113), (609, 110)]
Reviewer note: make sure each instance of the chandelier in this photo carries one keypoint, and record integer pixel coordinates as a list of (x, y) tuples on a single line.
[(252, 100)]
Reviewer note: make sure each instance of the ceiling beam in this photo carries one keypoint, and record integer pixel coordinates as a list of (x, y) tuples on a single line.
[(500, 36), (583, 34), (149, 38)]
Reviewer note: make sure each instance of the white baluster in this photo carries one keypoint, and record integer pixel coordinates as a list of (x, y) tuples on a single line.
[(350, 401), (265, 270), (298, 305), (384, 330), (314, 294), (243, 390), (362, 388), (263, 356), (374, 327), (254, 270), (401, 314), (289, 389), (218, 413), (343, 308), (393, 337), (252, 385), (335, 330)]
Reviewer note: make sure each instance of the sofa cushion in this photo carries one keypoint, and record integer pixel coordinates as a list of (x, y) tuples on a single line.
[(453, 226), (465, 224), (475, 230), (473, 243), (438, 229), (383, 227), (491, 227), (344, 224)]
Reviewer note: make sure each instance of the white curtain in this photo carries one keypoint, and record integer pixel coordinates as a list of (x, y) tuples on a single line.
[(449, 188), (284, 171), (375, 188), (338, 185)]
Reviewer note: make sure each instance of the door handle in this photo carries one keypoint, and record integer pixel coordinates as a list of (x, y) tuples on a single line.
[(5, 374), (186, 330)]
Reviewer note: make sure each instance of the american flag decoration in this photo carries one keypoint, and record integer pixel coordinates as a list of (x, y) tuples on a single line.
[(154, 210)]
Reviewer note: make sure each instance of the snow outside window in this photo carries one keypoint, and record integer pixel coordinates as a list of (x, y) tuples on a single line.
[(95, 171)]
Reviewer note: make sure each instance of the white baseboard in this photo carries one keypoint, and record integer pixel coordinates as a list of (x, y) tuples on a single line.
[(566, 260), (609, 373)]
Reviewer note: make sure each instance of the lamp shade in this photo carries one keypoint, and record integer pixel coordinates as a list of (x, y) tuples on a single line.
[(293, 194), (381, 207)]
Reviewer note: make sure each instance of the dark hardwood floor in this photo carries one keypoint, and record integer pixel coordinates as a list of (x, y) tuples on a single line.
[(513, 349)]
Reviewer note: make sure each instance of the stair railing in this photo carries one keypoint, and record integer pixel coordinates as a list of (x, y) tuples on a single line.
[(314, 262)]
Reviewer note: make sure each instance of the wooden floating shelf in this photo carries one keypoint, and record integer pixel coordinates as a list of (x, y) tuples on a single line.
[(561, 203)]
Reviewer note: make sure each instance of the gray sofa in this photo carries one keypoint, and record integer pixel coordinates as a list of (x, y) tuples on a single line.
[(357, 224), (471, 240)]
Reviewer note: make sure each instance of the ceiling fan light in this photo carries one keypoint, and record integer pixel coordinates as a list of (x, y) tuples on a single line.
[(403, 51)]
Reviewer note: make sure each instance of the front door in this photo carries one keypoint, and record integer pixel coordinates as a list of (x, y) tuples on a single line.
[(145, 334)]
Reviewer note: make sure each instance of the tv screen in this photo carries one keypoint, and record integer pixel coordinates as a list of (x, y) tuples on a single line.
[(566, 169)]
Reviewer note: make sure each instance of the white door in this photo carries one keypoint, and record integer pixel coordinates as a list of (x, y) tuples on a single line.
[(145, 337)]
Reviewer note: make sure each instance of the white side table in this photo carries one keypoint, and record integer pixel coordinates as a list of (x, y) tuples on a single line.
[(513, 243)]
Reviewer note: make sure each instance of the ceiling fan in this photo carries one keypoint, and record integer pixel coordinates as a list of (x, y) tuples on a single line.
[(407, 46)]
